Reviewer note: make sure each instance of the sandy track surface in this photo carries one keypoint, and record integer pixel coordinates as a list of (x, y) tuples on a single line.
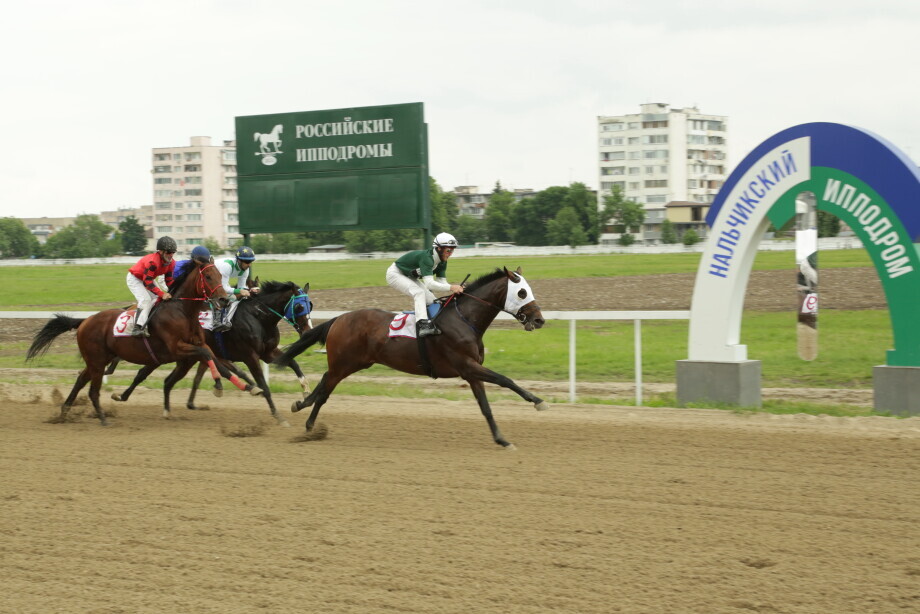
[(407, 506)]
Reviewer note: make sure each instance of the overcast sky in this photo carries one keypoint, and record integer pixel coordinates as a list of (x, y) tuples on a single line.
[(512, 89)]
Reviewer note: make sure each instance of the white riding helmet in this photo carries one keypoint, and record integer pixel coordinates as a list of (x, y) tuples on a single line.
[(444, 239)]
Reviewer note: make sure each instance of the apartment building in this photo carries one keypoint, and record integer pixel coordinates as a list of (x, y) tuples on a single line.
[(672, 161), (195, 193)]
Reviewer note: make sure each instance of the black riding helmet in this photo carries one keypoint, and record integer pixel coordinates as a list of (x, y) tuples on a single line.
[(166, 244)]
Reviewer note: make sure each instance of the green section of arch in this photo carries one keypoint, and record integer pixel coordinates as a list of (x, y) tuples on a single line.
[(897, 265)]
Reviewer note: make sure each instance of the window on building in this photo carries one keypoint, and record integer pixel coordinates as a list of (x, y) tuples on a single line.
[(233, 229), (192, 168), (193, 204), (655, 124), (613, 155), (656, 198), (696, 139), (162, 169), (229, 180), (161, 180), (196, 179), (655, 139), (656, 183), (634, 185), (633, 140), (193, 217), (191, 156), (634, 170), (634, 125), (655, 153), (164, 229), (613, 170), (228, 155), (649, 170), (193, 192), (164, 217), (163, 205), (612, 127), (177, 156), (160, 157), (234, 217), (635, 155), (162, 193)]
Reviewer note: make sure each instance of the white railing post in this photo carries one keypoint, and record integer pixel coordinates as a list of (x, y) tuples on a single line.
[(571, 361), (637, 344)]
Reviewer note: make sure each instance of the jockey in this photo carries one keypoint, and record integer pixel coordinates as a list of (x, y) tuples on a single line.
[(144, 285), (421, 273), (234, 267)]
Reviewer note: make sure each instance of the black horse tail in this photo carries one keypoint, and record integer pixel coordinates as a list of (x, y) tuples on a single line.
[(55, 327), (313, 336)]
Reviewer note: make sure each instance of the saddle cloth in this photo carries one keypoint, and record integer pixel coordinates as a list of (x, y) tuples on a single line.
[(124, 323), (403, 325)]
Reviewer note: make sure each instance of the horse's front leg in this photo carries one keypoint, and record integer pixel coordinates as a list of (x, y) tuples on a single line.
[(204, 354), (304, 384), (474, 371), (479, 391)]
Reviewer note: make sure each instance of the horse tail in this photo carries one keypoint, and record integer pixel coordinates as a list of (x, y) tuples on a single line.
[(59, 325), (313, 336)]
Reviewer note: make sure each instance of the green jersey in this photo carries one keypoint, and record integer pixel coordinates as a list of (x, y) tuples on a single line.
[(420, 263)]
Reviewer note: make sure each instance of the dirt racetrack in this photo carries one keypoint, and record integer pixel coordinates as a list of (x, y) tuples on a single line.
[(407, 506)]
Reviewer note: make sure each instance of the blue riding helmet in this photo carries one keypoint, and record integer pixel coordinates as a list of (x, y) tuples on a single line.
[(245, 254), (201, 254)]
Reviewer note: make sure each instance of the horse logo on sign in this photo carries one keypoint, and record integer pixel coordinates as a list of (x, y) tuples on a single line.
[(269, 144)]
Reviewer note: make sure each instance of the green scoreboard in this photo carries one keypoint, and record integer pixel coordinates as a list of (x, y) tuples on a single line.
[(361, 168)]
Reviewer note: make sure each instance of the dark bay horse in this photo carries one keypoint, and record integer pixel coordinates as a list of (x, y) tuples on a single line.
[(358, 339), (175, 334), (254, 337)]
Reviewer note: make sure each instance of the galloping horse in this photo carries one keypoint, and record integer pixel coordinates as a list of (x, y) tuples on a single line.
[(175, 334), (359, 339), (254, 336)]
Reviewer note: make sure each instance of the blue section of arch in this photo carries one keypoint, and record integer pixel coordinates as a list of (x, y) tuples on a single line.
[(855, 151)]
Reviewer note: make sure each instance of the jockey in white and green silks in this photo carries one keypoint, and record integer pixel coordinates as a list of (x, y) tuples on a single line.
[(421, 273), (234, 267)]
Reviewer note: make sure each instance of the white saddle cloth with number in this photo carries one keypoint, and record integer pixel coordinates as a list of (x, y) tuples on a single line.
[(403, 325)]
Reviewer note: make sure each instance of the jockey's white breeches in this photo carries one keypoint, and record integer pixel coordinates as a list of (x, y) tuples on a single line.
[(413, 287), (144, 297)]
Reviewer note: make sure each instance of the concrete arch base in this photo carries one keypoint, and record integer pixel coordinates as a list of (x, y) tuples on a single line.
[(897, 390), (730, 383)]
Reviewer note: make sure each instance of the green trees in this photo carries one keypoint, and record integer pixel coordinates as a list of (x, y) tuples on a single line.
[(133, 237), (668, 233), (15, 239), (87, 237), (627, 215)]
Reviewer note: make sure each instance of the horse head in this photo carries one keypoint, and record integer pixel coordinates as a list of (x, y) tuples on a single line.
[(289, 301), (520, 301), (210, 286)]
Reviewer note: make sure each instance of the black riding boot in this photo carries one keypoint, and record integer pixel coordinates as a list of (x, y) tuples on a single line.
[(426, 328)]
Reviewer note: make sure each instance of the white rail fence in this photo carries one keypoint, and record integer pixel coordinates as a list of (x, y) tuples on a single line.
[(572, 316)]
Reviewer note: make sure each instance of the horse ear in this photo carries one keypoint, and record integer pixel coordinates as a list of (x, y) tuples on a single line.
[(519, 271), (306, 287), (512, 276)]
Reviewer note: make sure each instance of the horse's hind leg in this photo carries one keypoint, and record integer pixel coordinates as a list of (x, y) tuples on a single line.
[(321, 395), (479, 391), (82, 380), (177, 374), (256, 371), (304, 385), (141, 375), (190, 404), (94, 387)]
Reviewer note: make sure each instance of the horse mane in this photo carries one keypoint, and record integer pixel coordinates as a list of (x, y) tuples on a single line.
[(486, 279), (271, 286), (181, 272)]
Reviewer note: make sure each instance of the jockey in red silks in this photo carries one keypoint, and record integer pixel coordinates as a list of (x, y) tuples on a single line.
[(143, 283)]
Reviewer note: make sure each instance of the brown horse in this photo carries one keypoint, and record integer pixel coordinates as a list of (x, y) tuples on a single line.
[(358, 339), (175, 334)]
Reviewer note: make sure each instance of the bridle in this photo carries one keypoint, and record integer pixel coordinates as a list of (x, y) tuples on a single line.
[(206, 291), (519, 316), (289, 308)]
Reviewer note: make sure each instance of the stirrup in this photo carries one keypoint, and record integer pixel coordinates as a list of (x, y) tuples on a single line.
[(425, 328)]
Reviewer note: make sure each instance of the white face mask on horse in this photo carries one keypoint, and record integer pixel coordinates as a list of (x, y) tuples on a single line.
[(518, 295)]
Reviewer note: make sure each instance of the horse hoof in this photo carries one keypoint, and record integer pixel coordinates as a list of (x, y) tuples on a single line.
[(510, 447), (218, 392), (255, 391), (295, 408), (284, 423), (542, 406), (116, 396), (165, 415)]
